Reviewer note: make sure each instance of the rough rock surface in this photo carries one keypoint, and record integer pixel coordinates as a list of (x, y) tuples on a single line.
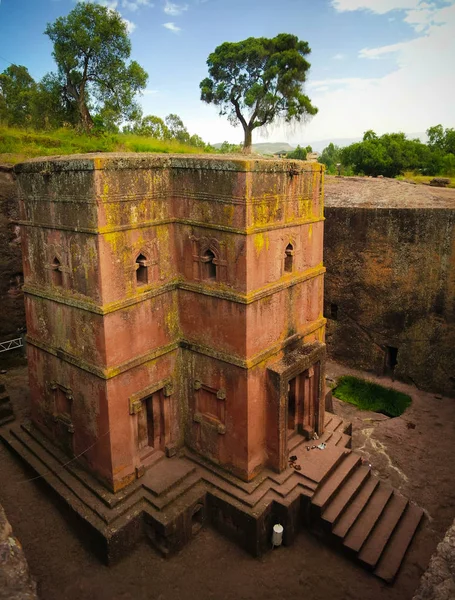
[(11, 276), (15, 580), (438, 582), (389, 250)]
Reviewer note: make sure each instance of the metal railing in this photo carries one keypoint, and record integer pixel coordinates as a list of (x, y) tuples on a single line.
[(11, 344)]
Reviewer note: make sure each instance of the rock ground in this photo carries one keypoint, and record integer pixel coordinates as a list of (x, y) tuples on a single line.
[(438, 582), (371, 192), (15, 580), (417, 460)]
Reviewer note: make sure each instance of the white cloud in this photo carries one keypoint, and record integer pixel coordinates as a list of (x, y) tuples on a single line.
[(416, 95), (134, 5), (130, 26), (110, 4), (174, 10), (150, 92), (339, 56), (419, 13), (378, 52), (378, 6), (172, 27)]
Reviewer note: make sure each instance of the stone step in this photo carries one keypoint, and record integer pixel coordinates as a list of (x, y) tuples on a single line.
[(177, 491), (89, 482), (52, 469), (345, 441), (332, 485), (60, 488), (363, 526), (295, 441), (377, 541), (164, 475), (395, 550), (334, 423), (356, 507), (346, 495)]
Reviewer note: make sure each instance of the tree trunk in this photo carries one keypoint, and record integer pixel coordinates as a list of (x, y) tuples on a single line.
[(247, 142), (86, 119)]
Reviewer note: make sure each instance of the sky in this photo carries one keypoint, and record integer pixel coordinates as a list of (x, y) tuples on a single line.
[(386, 65)]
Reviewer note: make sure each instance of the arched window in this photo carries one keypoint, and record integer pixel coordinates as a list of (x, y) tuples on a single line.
[(57, 275), (141, 270), (289, 258), (209, 265)]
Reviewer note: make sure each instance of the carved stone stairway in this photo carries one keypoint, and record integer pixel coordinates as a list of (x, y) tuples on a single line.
[(329, 491), (365, 517)]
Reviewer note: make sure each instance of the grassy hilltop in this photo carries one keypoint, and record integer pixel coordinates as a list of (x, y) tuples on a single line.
[(17, 145)]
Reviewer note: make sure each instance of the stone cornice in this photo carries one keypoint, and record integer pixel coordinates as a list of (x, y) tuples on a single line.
[(192, 223), (215, 291)]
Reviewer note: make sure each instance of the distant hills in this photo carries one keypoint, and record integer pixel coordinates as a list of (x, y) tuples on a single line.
[(268, 148), (318, 145)]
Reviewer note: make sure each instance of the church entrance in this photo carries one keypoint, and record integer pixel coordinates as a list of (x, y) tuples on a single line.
[(303, 401)]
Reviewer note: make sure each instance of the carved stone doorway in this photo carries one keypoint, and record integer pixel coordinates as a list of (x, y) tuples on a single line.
[(303, 397), (152, 423)]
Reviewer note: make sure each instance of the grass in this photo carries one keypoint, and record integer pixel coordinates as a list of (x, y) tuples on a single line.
[(367, 395), (424, 179), (17, 145)]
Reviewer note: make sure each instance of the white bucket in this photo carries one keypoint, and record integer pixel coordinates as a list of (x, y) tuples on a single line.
[(277, 535)]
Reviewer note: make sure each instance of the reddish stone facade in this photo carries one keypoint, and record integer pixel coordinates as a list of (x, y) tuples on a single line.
[(173, 301)]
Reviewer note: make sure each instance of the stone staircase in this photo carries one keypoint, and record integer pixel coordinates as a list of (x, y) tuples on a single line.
[(365, 517), (331, 492)]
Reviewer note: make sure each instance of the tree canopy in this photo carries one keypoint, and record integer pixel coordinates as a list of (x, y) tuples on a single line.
[(392, 154), (330, 157), (259, 80), (91, 49), (17, 88), (299, 153)]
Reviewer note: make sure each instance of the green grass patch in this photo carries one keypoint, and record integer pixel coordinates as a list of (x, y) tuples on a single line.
[(17, 145), (367, 395), (424, 179)]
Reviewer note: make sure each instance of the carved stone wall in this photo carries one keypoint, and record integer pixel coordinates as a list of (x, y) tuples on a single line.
[(11, 275), (389, 250)]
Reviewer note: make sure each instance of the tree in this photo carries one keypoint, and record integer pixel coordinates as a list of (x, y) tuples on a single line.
[(177, 129), (149, 126), (91, 47), (259, 80), (228, 148), (17, 88), (388, 155), (299, 153), (441, 139), (51, 108), (330, 157)]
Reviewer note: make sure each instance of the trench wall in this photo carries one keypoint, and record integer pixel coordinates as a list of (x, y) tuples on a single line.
[(390, 283), (11, 275)]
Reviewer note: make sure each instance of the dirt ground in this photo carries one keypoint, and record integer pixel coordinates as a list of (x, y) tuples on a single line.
[(417, 460)]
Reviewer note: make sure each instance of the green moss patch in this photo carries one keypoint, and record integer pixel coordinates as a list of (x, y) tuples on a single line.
[(367, 395)]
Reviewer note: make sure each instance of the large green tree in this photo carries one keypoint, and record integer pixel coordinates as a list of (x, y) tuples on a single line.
[(17, 88), (442, 140), (91, 49), (330, 157), (259, 80), (390, 155)]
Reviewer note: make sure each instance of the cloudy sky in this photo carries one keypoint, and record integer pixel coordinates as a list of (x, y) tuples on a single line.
[(386, 65)]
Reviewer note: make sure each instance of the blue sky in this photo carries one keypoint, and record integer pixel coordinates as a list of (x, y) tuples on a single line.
[(386, 65)]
